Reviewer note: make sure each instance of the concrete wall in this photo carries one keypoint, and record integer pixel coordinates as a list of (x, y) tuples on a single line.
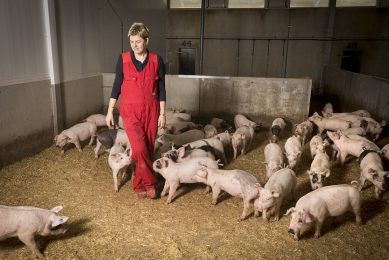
[(254, 97), (279, 42), (350, 91)]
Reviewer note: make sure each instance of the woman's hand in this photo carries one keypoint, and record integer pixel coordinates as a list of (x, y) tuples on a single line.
[(162, 121), (109, 120)]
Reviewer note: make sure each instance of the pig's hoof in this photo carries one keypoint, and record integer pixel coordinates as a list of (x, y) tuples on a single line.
[(317, 235), (167, 202)]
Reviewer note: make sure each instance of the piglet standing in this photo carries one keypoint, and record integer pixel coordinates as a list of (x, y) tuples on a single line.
[(76, 134), (26, 222), (279, 186), (320, 167), (97, 119), (237, 183), (277, 127), (274, 159), (241, 120), (118, 161), (372, 170), (182, 172), (242, 139), (293, 151), (317, 205)]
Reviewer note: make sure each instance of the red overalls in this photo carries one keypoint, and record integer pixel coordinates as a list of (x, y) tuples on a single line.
[(139, 109)]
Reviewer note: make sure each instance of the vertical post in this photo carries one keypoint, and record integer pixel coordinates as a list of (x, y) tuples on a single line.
[(202, 36), (53, 64)]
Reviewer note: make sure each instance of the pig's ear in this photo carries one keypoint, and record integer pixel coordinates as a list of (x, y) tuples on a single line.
[(114, 156), (275, 194), (327, 173), (181, 152), (383, 151), (128, 151), (371, 171), (58, 220), (291, 210), (164, 163), (387, 174), (56, 209)]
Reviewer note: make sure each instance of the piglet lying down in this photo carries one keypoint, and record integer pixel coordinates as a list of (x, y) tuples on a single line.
[(26, 222), (317, 205)]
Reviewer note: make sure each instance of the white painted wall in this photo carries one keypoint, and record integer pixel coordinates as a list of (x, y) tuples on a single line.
[(22, 43)]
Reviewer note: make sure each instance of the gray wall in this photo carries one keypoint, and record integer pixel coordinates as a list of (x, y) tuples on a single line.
[(350, 91), (257, 42)]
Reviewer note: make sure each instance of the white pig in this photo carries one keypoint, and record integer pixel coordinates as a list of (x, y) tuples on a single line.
[(329, 123), (317, 205), (313, 144), (26, 222), (210, 131), (241, 120), (242, 139), (280, 185), (320, 167), (97, 119), (237, 183), (75, 134), (373, 171), (118, 161), (293, 151), (274, 159), (277, 127), (348, 146), (182, 172), (304, 130)]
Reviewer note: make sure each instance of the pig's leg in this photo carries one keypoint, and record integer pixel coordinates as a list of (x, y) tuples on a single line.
[(318, 226), (77, 143), (246, 206), (115, 181), (92, 139), (163, 193), (28, 240), (356, 206), (264, 214), (277, 211), (207, 189), (342, 157), (172, 190), (98, 145), (235, 151), (215, 193)]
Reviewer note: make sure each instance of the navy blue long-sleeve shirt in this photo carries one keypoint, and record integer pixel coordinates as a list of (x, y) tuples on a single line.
[(116, 89)]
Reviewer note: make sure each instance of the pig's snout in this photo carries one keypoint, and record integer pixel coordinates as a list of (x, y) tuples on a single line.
[(158, 164), (291, 231)]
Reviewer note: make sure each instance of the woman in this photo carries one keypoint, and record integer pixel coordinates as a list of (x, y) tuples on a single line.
[(140, 80)]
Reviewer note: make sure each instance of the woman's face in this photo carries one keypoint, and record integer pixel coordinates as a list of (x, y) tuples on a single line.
[(138, 44)]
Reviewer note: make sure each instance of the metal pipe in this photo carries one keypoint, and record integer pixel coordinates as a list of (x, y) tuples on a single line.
[(120, 19), (280, 38), (202, 36)]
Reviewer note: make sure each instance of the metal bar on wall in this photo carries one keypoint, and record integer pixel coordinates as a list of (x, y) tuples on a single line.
[(202, 37)]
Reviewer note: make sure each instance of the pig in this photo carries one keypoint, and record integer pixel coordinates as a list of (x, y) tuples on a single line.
[(348, 146), (220, 124), (328, 108), (277, 127), (119, 160), (181, 115), (210, 131), (237, 183), (187, 152), (355, 131), (313, 144), (111, 137), (320, 167), (279, 186), (182, 126), (242, 138), (355, 120), (385, 152), (97, 119), (215, 143), (373, 128), (241, 120), (372, 170), (225, 138), (293, 151), (304, 130), (75, 134), (317, 205), (274, 159), (183, 172), (361, 112), (26, 222), (329, 123), (181, 139)]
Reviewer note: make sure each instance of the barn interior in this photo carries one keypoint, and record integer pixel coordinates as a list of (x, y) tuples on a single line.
[(262, 58)]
